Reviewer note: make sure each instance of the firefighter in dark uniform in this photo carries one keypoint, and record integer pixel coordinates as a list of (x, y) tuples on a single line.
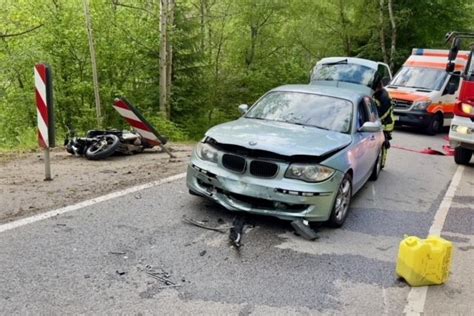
[(385, 111)]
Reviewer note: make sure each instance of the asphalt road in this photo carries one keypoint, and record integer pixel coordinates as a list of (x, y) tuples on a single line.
[(115, 256)]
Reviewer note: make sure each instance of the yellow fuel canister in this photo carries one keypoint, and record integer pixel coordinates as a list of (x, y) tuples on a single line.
[(424, 261)]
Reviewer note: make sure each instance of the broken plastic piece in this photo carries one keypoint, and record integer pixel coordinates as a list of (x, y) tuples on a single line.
[(236, 231), (203, 225), (302, 228)]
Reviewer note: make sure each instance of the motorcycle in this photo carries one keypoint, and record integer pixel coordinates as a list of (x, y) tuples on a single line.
[(100, 144)]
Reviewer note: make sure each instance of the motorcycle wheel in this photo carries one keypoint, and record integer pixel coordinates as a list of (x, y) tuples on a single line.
[(103, 147)]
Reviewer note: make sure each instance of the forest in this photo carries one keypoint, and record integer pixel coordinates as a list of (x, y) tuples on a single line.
[(187, 64)]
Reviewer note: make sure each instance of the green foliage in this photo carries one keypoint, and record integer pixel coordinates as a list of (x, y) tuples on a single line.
[(225, 53)]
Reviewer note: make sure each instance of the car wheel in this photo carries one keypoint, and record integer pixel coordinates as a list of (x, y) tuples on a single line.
[(341, 202), (378, 165), (435, 125), (462, 156)]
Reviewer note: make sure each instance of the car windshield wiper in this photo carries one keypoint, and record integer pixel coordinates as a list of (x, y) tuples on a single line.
[(255, 118), (416, 87), (308, 125), (320, 127), (342, 61)]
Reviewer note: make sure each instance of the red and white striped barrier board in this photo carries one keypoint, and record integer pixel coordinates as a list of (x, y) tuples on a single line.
[(138, 122), (44, 105)]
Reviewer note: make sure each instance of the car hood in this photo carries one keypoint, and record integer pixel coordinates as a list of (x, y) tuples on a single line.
[(278, 137)]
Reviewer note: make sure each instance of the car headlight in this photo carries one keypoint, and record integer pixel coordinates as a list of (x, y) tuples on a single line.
[(421, 105), (309, 173), (206, 152)]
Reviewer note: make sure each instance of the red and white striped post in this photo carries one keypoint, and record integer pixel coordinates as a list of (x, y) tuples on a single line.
[(44, 106), (140, 124)]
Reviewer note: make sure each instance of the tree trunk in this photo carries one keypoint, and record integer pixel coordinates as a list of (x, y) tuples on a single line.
[(202, 9), (169, 55), (394, 35), (253, 42), (163, 57), (381, 32), (95, 78), (345, 36)]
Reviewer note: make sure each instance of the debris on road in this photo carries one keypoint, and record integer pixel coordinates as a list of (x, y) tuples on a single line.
[(161, 275), (424, 262), (117, 252), (203, 225), (236, 231), (302, 228), (119, 272), (202, 253)]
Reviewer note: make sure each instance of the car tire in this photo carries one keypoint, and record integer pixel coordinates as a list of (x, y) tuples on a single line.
[(378, 166), (462, 156), (342, 202), (435, 125)]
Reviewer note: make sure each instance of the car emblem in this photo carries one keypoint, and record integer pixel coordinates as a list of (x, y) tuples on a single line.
[(252, 143)]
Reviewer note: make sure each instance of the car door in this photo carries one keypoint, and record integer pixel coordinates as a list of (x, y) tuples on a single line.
[(365, 145)]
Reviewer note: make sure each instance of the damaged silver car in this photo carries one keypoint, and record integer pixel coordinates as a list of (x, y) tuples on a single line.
[(300, 152)]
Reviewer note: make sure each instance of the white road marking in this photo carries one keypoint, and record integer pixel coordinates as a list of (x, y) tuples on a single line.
[(70, 208), (417, 297)]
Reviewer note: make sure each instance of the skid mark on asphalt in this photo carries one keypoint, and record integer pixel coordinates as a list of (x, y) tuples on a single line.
[(342, 242)]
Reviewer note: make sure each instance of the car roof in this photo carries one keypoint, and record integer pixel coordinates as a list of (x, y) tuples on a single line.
[(331, 91), (350, 60)]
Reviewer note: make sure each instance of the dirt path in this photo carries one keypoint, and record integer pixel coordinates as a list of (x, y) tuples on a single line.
[(23, 191)]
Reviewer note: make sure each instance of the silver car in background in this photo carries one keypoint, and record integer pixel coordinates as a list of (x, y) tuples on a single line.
[(300, 152)]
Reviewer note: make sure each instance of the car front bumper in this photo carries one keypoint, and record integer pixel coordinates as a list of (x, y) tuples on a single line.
[(461, 132), (413, 118), (287, 199)]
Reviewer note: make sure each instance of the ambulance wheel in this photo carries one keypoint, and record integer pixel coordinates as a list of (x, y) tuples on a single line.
[(434, 125), (462, 156)]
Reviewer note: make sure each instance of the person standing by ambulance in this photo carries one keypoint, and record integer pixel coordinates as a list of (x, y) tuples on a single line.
[(385, 111)]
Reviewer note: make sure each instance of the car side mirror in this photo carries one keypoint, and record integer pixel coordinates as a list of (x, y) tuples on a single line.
[(243, 108), (450, 67), (371, 127), (386, 81)]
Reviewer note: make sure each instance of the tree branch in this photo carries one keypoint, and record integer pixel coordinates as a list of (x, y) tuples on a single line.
[(117, 3), (21, 33)]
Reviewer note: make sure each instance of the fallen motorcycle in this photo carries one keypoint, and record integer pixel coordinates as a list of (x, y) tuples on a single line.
[(100, 144)]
